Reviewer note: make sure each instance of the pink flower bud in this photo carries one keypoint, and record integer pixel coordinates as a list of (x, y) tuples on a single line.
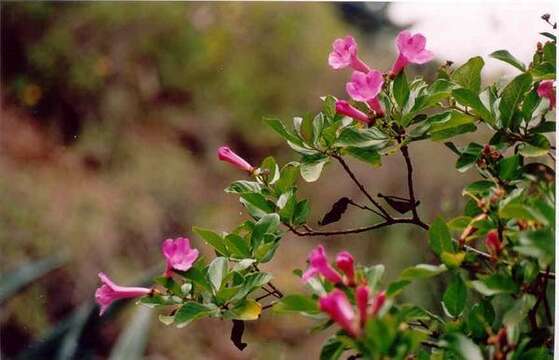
[(109, 292), (411, 50), (344, 108), (493, 243), (226, 154), (179, 254), (378, 302), (344, 54), (362, 300), (340, 310), (318, 264), (344, 262), (366, 87), (546, 89)]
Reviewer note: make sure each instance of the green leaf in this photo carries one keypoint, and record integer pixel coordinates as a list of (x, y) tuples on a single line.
[(538, 244), (479, 187), (311, 167), (12, 282), (191, 311), (368, 155), (455, 124), (469, 156), (439, 237), (549, 53), (237, 246), (519, 310), (401, 90), (332, 349), (453, 260), (363, 138), (507, 57), (268, 224), (131, 344), (297, 303), (396, 287), (217, 270), (513, 210), (530, 104), (467, 97), (288, 177), (463, 346), (495, 284), (469, 74), (302, 211), (373, 275), (381, 332), (257, 204), (252, 282), (454, 298), (278, 127), (509, 167), (537, 145), (422, 271), (512, 95), (246, 310), (243, 186), (271, 167), (213, 239), (480, 318)]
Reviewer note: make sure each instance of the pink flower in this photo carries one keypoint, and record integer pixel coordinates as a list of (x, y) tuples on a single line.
[(344, 54), (109, 292), (340, 310), (412, 50), (344, 262), (366, 87), (378, 302), (179, 254), (318, 264), (493, 243), (344, 108), (362, 300), (547, 89), (226, 154)]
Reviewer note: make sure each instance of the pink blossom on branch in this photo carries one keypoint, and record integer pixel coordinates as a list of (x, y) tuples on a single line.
[(226, 154), (411, 50), (493, 243), (546, 89), (344, 54), (366, 87), (179, 254), (344, 262), (378, 302), (362, 299), (318, 264), (345, 108), (109, 292), (337, 305)]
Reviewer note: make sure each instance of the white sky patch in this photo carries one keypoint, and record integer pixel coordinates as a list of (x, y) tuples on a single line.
[(459, 30)]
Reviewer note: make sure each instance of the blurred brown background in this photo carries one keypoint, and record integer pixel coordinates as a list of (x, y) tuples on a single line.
[(111, 114)]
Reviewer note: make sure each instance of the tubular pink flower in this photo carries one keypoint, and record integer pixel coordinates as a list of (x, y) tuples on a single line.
[(340, 310), (366, 87), (378, 302), (344, 54), (493, 243), (345, 108), (318, 264), (179, 254), (226, 154), (546, 89), (344, 262), (362, 300), (109, 292), (411, 50)]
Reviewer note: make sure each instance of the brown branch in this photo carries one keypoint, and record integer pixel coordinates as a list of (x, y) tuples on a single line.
[(405, 153), (361, 187), (391, 221)]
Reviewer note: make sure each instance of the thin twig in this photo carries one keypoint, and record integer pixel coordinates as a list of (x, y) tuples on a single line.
[(311, 232), (405, 153), (361, 187)]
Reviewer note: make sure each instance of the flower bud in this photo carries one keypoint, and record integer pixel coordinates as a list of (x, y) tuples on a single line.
[(224, 153)]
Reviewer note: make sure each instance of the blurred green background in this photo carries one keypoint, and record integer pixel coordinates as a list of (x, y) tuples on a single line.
[(111, 116)]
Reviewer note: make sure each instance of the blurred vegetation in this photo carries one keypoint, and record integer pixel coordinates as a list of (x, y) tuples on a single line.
[(110, 120)]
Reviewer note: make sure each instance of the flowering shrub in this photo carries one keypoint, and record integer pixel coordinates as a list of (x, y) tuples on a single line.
[(497, 256)]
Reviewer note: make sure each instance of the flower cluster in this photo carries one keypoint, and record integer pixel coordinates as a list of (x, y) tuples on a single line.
[(336, 303), (179, 256), (365, 84)]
